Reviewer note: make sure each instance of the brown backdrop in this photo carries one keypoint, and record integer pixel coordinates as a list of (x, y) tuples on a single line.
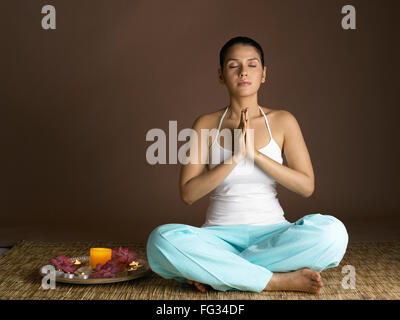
[(78, 101)]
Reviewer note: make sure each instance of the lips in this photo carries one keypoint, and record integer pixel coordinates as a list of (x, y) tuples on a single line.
[(244, 83)]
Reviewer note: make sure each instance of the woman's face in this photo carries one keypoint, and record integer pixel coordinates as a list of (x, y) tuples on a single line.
[(242, 63)]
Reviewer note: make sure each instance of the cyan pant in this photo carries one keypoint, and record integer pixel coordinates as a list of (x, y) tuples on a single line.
[(244, 257)]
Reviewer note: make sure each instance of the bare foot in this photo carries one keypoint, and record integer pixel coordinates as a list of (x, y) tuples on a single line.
[(198, 285), (305, 280)]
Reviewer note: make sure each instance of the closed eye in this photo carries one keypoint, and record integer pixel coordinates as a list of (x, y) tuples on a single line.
[(231, 67)]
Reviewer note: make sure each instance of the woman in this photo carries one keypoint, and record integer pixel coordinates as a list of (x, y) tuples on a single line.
[(246, 243)]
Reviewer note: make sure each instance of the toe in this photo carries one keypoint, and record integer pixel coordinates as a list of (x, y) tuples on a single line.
[(200, 287), (316, 276), (318, 283), (316, 288)]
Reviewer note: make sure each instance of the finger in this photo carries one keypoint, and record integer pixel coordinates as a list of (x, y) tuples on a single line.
[(241, 119)]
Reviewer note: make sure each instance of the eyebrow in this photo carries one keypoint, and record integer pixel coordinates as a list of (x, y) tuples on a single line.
[(238, 59)]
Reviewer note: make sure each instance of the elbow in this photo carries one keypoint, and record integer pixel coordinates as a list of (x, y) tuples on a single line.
[(308, 194), (309, 191), (185, 197), (186, 200)]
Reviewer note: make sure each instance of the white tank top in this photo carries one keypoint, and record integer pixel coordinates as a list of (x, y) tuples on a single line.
[(247, 196)]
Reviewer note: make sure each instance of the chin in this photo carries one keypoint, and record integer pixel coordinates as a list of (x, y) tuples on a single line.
[(243, 93)]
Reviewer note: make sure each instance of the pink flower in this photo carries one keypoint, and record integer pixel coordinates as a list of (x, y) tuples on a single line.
[(123, 256), (65, 264), (107, 270), (119, 260)]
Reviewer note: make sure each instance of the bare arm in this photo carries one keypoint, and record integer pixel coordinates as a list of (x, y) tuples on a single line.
[(298, 176), (194, 183)]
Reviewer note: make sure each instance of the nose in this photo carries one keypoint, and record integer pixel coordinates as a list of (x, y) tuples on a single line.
[(243, 72)]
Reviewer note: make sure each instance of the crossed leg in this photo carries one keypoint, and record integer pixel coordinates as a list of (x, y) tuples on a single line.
[(287, 257)]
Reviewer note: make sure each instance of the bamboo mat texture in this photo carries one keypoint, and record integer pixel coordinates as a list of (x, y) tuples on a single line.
[(377, 277)]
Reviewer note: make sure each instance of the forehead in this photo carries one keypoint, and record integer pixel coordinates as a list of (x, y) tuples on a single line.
[(242, 52)]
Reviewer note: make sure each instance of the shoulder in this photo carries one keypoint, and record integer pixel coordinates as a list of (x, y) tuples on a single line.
[(281, 117), (208, 120), (284, 125)]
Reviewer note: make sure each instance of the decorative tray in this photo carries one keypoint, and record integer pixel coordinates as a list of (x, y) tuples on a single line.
[(140, 269)]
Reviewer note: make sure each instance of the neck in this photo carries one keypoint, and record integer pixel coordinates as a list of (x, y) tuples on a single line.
[(236, 106)]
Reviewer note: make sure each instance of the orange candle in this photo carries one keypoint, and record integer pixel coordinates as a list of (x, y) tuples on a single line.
[(99, 255)]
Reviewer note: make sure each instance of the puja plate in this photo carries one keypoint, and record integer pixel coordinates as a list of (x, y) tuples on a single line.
[(122, 276)]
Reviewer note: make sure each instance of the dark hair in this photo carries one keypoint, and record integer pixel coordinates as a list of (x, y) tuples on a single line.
[(239, 40)]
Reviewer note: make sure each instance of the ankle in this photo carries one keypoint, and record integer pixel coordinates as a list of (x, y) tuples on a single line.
[(272, 283)]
